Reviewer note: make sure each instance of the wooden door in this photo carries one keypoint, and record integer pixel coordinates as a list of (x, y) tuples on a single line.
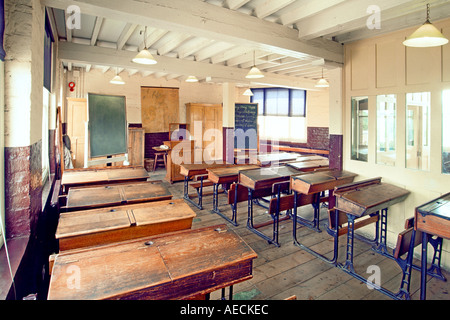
[(76, 120), (212, 133), (414, 137)]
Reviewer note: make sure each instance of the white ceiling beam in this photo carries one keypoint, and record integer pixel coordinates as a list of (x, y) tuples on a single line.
[(125, 35), (235, 4), (193, 46), (153, 35), (172, 42), (398, 19), (97, 27), (78, 53), (307, 9), (208, 21), (271, 6), (350, 14)]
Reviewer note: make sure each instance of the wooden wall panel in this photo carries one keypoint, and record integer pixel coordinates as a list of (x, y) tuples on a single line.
[(422, 65), (446, 56), (159, 107), (360, 67), (386, 63)]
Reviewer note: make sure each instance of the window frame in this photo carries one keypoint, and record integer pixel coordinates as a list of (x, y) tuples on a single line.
[(290, 97)]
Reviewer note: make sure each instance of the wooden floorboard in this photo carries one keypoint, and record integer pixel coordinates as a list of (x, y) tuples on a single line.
[(280, 272)]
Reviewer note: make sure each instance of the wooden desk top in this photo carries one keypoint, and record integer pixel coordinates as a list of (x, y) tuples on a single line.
[(228, 174), (190, 170), (106, 225), (308, 165), (110, 195), (270, 158), (265, 177), (433, 217), (310, 183), (178, 265), (80, 177), (368, 196)]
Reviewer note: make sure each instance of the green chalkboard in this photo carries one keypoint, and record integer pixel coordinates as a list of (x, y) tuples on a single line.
[(246, 125), (107, 125)]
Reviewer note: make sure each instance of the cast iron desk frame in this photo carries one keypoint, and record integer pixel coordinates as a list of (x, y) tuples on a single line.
[(220, 178), (316, 184), (396, 195), (438, 210), (255, 183), (191, 170)]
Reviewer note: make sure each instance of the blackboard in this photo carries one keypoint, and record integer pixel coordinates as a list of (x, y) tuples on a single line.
[(246, 125), (107, 125)]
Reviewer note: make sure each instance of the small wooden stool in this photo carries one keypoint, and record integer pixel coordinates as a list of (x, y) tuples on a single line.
[(163, 160)]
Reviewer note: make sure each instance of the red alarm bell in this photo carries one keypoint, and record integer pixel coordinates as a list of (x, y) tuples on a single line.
[(71, 85)]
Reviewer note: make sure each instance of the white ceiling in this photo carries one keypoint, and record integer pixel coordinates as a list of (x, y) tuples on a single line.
[(291, 41)]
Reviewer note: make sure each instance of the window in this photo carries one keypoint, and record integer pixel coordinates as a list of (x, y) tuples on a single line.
[(48, 44), (445, 131), (418, 130), (360, 128), (386, 127), (281, 114)]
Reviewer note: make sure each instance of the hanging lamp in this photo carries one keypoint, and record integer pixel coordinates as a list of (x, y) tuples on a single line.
[(426, 36), (322, 83), (117, 79), (144, 56), (254, 72), (191, 79), (248, 92)]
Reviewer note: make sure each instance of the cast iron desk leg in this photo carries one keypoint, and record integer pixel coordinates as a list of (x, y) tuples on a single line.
[(423, 271)]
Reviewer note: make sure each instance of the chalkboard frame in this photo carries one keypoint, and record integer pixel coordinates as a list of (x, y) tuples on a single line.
[(113, 136), (246, 121)]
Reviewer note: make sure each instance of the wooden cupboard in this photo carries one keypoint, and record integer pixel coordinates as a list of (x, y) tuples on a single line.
[(204, 122), (179, 152)]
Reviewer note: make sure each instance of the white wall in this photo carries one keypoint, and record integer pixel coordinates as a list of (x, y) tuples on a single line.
[(382, 65)]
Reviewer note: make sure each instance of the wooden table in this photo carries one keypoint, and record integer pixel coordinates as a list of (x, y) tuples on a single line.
[(260, 181), (315, 184), (79, 198), (180, 265), (200, 170), (363, 198), (107, 225), (308, 165), (432, 219), (222, 176), (83, 177)]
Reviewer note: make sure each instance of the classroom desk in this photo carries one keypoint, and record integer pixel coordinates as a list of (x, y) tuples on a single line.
[(432, 219), (197, 169), (315, 184), (308, 165), (106, 225), (362, 199), (275, 159), (80, 198), (84, 177), (260, 181), (226, 175), (179, 265)]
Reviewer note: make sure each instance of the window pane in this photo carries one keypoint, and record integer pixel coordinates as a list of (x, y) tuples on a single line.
[(446, 131), (258, 97), (386, 127), (277, 102), (360, 128), (298, 102), (418, 130)]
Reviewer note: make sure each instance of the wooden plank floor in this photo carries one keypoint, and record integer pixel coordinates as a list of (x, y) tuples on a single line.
[(281, 272)]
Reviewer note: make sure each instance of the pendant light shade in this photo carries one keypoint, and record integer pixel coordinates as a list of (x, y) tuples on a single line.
[(322, 83), (191, 79), (426, 36), (254, 72), (247, 92), (144, 56), (117, 80)]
